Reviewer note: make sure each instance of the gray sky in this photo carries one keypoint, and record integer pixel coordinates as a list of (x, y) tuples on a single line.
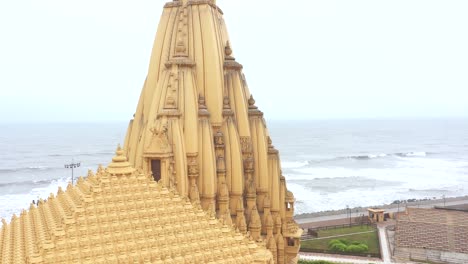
[(86, 60)]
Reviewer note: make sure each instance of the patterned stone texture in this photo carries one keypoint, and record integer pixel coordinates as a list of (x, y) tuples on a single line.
[(432, 234), (123, 217)]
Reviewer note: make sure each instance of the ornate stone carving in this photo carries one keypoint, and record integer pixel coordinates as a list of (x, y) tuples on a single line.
[(219, 139), (221, 165), (252, 103), (249, 164), (159, 141), (253, 109), (192, 167), (202, 109), (271, 148), (228, 50), (229, 61), (251, 189), (181, 48), (172, 93), (246, 144), (194, 194), (173, 4), (172, 174), (255, 224), (240, 217), (227, 111), (205, 2), (234, 65), (181, 62)]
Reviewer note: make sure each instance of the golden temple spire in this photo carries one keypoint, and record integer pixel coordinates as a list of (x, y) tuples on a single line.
[(119, 165), (197, 127)]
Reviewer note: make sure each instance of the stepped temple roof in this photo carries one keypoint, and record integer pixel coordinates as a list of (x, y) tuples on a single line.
[(197, 132), (121, 216)]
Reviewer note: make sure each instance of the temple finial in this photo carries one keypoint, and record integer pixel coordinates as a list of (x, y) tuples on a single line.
[(228, 49)]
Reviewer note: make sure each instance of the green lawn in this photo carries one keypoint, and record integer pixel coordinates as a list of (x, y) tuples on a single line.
[(345, 230), (315, 262), (371, 239)]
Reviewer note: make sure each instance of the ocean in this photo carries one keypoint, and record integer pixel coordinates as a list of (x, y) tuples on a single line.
[(328, 165)]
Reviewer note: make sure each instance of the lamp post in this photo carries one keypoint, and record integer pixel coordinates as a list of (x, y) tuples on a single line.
[(72, 166), (348, 213)]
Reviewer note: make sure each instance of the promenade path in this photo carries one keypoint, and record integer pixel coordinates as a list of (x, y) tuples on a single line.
[(327, 237), (339, 258), (384, 248), (305, 220)]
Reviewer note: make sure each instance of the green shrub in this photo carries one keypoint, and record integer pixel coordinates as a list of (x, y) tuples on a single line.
[(334, 241), (357, 248), (343, 245), (344, 241), (338, 247)]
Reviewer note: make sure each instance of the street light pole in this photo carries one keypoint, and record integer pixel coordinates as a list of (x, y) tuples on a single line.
[(72, 166), (348, 212)]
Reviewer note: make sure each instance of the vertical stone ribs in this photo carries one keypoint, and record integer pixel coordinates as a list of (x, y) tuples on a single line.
[(223, 156)]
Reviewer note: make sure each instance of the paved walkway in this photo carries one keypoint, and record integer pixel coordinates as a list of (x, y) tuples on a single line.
[(427, 204), (339, 259), (384, 245), (350, 234)]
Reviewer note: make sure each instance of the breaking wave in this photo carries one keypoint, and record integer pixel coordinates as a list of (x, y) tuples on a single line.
[(30, 168), (13, 203), (83, 154), (26, 183), (375, 156), (304, 164), (383, 155)]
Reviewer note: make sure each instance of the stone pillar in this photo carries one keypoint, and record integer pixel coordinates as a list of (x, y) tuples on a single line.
[(255, 224), (266, 214), (222, 204), (279, 240), (240, 218), (251, 197), (193, 173)]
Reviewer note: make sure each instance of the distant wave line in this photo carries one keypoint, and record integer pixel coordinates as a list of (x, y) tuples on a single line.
[(31, 168), (81, 154), (376, 156), (297, 165), (26, 183), (39, 168)]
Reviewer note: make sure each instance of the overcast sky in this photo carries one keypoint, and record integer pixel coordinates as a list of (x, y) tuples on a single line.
[(86, 60)]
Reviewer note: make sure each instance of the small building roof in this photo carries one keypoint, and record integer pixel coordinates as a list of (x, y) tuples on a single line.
[(375, 210)]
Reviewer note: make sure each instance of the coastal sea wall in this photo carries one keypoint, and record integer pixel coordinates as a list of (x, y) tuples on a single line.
[(356, 211), (431, 256)]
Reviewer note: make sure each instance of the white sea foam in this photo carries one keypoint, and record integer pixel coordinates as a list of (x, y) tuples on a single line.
[(293, 164), (14, 203), (326, 188), (381, 155), (328, 165), (416, 154)]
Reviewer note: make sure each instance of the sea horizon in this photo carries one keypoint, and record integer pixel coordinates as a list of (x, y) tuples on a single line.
[(328, 164)]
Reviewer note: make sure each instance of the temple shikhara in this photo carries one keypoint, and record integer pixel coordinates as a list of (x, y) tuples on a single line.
[(197, 180)]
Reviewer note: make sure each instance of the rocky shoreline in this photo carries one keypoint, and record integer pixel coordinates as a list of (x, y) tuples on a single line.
[(356, 211)]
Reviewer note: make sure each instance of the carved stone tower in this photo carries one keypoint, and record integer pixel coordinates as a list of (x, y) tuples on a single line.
[(197, 129)]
